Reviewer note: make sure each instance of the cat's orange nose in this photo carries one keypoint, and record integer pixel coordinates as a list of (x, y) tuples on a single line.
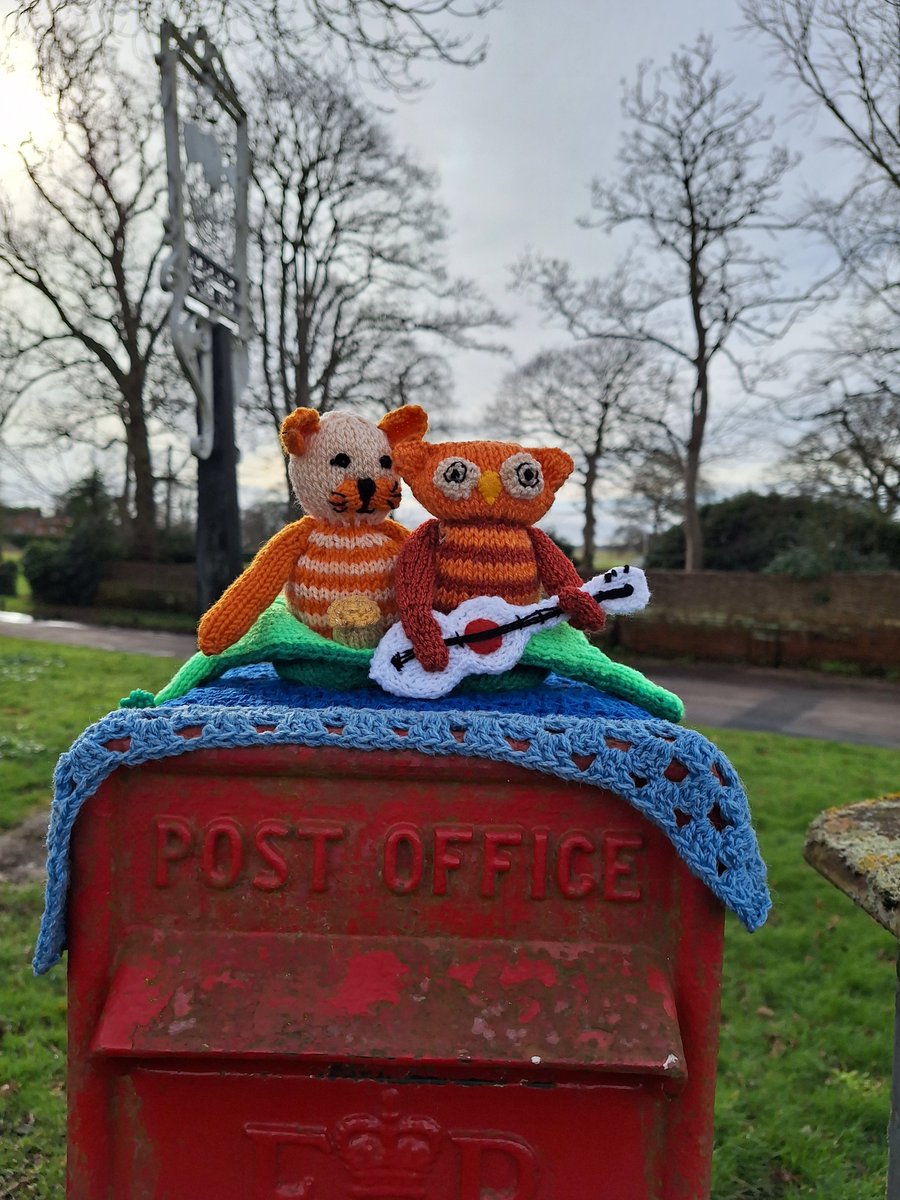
[(490, 486)]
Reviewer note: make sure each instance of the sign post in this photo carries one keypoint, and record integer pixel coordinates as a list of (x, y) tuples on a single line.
[(207, 160)]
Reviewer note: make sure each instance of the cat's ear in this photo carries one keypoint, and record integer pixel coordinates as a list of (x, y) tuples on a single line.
[(297, 429), (556, 465), (409, 423)]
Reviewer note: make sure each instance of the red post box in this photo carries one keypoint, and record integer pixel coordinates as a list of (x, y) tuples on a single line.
[(320, 973)]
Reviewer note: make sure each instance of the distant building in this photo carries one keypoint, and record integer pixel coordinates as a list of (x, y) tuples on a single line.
[(31, 523)]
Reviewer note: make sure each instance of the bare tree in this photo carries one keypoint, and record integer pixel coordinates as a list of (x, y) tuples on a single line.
[(589, 398), (852, 405), (700, 180), (89, 254), (382, 41), (845, 59), (354, 300), (655, 497), (84, 314)]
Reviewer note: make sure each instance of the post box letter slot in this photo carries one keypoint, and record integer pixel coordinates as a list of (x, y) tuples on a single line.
[(437, 1001)]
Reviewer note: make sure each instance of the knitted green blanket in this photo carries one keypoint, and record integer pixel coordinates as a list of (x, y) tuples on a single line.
[(302, 656)]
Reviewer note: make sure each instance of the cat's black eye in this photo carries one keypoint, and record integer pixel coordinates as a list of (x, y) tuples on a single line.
[(528, 475), (341, 460), (386, 461)]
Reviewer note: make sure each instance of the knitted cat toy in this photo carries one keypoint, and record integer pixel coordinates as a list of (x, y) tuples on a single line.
[(486, 497), (336, 564)]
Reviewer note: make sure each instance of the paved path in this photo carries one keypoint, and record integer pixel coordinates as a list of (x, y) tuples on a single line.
[(800, 703)]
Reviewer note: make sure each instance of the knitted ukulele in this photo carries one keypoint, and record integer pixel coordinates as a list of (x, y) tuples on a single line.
[(486, 497), (487, 636), (336, 564)]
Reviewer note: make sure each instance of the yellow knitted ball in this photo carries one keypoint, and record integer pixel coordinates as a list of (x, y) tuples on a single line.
[(356, 621), (354, 612)]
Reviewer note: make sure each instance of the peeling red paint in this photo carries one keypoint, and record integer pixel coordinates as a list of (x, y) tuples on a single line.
[(596, 1037), (658, 983), (181, 1002), (465, 973), (529, 1011), (580, 984), (371, 978), (525, 970)]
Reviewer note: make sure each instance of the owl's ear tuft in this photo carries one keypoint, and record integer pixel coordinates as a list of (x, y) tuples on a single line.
[(556, 465), (409, 457), (409, 423), (297, 429)]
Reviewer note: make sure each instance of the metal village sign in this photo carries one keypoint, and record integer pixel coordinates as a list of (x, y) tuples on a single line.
[(208, 167)]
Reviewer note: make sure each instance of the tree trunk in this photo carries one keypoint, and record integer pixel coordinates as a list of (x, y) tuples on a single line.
[(170, 483), (124, 501), (693, 534), (588, 547), (142, 540)]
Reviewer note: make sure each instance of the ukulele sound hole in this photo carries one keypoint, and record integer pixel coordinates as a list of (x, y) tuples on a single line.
[(483, 644)]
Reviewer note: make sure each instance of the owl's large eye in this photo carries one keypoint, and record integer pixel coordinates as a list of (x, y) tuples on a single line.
[(522, 476), (456, 477)]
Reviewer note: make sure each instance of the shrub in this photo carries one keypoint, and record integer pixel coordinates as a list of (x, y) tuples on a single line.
[(9, 574), (178, 546), (797, 534), (65, 572), (812, 562)]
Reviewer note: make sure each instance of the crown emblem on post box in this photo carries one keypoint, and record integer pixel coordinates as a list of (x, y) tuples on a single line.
[(388, 1157)]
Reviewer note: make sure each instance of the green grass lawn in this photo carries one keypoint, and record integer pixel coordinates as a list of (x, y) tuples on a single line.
[(808, 1001), (804, 1068), (48, 695)]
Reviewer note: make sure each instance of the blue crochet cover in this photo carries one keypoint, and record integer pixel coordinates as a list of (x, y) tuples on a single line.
[(561, 729)]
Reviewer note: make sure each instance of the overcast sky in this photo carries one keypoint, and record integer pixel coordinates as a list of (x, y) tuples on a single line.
[(517, 140)]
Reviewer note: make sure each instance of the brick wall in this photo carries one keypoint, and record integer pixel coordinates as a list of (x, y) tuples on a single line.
[(163, 587), (773, 620)]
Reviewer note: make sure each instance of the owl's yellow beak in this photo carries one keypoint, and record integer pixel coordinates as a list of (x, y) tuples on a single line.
[(490, 486)]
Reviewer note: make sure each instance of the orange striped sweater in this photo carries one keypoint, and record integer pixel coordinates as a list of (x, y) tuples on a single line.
[(342, 560), (316, 561), (484, 558)]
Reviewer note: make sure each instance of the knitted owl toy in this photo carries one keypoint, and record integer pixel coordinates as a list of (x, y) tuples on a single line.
[(336, 564), (486, 497)]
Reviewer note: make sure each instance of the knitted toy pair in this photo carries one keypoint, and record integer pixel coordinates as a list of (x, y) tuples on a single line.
[(348, 572)]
